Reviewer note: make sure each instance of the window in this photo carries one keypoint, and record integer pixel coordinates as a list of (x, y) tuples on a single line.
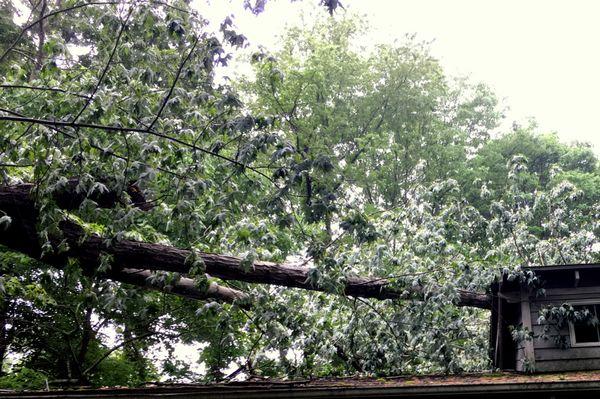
[(586, 332)]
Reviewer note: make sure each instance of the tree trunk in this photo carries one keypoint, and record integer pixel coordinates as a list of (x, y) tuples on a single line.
[(185, 287), (21, 235), (39, 58), (4, 339), (87, 334), (134, 355)]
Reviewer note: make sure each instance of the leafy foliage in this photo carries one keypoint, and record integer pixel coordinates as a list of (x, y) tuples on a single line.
[(24, 378), (348, 161)]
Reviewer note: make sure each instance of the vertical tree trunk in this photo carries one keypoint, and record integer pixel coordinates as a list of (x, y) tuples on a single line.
[(132, 352), (39, 59), (4, 339), (86, 337)]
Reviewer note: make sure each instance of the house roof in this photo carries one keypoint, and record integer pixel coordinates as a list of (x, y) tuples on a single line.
[(497, 385), (575, 266), (555, 276)]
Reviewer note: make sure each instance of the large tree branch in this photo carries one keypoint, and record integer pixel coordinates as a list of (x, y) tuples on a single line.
[(70, 196), (17, 203), (22, 235), (184, 287)]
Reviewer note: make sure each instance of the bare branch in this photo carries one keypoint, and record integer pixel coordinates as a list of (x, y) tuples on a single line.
[(39, 58), (114, 348)]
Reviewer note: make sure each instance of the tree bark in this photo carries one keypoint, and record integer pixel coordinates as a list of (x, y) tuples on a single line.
[(39, 58), (134, 355), (4, 338), (22, 236), (184, 287), (70, 196), (87, 334)]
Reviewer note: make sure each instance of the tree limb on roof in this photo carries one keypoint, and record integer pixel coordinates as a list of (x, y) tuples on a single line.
[(21, 235)]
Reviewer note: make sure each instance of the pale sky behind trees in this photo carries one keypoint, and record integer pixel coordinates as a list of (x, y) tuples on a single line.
[(541, 57)]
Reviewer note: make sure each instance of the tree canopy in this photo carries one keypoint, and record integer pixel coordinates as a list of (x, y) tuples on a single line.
[(339, 210)]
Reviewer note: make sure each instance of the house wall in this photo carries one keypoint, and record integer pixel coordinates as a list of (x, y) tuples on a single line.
[(549, 357)]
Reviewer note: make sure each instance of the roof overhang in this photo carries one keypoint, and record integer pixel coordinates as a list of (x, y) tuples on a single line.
[(490, 386)]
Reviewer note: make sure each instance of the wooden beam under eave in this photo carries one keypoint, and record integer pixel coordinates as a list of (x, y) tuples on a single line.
[(525, 353)]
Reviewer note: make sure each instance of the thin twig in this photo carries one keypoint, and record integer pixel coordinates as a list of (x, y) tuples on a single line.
[(107, 66), (13, 165), (55, 89), (114, 348), (47, 122), (96, 147), (45, 16), (177, 75), (385, 320)]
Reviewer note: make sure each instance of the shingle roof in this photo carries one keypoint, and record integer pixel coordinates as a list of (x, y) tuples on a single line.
[(496, 385)]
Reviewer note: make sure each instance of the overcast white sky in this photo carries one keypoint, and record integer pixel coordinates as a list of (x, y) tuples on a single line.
[(541, 56)]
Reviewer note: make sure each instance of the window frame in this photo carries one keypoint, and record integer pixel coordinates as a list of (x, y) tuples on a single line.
[(574, 343)]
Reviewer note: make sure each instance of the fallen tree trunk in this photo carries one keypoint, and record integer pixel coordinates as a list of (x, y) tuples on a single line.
[(21, 235), (184, 286), (17, 203), (70, 196)]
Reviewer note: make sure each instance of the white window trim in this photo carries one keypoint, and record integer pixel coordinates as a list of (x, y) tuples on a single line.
[(574, 344)]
